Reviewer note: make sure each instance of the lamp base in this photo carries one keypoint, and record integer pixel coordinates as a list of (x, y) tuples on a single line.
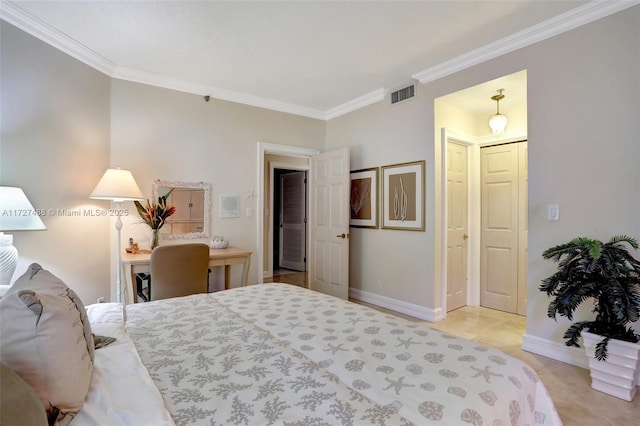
[(8, 259)]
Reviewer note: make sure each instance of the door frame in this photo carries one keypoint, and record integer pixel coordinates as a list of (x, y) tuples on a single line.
[(285, 166), (284, 150), (473, 207)]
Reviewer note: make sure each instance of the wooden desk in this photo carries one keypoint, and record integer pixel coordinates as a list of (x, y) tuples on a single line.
[(136, 263)]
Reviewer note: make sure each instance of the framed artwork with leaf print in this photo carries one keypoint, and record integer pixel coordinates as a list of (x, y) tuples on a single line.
[(363, 206), (403, 196)]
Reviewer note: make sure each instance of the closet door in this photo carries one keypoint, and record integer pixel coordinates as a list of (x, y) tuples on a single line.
[(500, 206), (456, 226)]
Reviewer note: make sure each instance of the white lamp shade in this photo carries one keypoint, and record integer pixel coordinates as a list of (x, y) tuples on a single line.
[(498, 123), (16, 212), (117, 185)]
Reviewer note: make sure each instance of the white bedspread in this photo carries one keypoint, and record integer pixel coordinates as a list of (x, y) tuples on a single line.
[(121, 392), (278, 354)]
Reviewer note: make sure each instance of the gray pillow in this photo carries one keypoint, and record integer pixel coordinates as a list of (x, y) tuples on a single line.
[(47, 340), (19, 402)]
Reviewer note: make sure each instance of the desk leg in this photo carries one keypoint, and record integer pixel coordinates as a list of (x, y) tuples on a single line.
[(245, 270), (227, 276), (129, 284)]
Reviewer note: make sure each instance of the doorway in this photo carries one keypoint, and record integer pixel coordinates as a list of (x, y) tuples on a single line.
[(327, 199), (484, 223), (289, 221), (462, 117), (277, 167)]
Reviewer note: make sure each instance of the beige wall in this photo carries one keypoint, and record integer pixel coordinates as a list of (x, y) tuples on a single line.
[(584, 145), (64, 123), (54, 143), (164, 134)]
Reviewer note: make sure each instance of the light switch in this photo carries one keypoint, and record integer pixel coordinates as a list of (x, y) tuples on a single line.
[(554, 211), (249, 212)]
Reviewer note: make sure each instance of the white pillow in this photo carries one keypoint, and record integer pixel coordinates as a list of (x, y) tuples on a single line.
[(45, 337)]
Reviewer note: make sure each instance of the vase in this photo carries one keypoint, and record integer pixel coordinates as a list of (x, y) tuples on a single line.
[(619, 375), (154, 241)]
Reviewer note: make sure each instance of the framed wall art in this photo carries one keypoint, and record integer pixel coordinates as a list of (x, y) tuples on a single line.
[(403, 196), (364, 198)]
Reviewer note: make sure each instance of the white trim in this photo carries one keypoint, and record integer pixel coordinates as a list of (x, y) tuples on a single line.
[(28, 23), (406, 308), (157, 80), (569, 20), (555, 350), (360, 102), (287, 150)]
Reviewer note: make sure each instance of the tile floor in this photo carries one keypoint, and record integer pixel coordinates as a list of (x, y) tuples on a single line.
[(569, 386)]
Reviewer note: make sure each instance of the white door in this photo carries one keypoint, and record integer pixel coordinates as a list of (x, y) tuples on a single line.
[(523, 227), (503, 207), (456, 226), (329, 220), (292, 221)]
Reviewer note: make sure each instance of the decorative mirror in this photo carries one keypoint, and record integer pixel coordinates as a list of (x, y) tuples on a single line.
[(193, 206)]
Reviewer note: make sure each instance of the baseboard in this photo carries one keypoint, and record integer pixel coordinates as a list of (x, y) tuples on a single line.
[(555, 350), (406, 308)]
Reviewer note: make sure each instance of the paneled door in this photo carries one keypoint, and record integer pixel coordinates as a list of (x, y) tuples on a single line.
[(292, 221), (329, 222), (503, 214), (456, 226)]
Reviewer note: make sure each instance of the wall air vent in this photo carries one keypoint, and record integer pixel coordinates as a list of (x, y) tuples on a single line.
[(403, 94)]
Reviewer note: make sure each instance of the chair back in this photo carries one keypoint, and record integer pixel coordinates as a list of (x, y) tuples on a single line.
[(179, 270)]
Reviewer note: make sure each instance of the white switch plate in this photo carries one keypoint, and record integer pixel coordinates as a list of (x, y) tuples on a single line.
[(249, 212), (554, 212)]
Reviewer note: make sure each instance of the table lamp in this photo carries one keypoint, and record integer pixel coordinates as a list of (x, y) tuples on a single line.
[(16, 214), (117, 185)]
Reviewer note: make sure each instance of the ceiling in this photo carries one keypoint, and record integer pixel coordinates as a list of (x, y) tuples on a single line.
[(313, 58)]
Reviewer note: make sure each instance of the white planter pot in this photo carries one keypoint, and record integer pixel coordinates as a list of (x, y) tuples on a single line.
[(619, 375)]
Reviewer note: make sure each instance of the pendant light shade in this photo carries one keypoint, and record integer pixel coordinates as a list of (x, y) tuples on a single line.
[(498, 122)]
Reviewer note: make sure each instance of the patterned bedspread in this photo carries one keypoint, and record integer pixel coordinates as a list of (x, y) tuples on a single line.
[(278, 354)]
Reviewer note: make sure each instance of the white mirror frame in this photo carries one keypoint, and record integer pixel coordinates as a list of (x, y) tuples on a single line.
[(207, 207)]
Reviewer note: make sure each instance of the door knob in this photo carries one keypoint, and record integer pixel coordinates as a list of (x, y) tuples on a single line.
[(343, 236), (465, 237)]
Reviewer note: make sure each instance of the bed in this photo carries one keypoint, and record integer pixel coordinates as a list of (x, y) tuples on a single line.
[(266, 354), (278, 354)]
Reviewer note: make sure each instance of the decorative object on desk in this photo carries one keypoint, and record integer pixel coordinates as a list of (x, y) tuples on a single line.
[(608, 274), (117, 185), (155, 215), (133, 247), (219, 243), (17, 215)]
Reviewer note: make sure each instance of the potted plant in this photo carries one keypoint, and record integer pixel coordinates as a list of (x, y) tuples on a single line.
[(609, 275)]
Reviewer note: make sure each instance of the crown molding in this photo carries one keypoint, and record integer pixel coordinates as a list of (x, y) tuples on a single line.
[(360, 102), (143, 77), (574, 18), (569, 20), (28, 23)]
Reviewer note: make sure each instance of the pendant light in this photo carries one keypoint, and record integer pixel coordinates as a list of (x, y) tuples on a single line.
[(498, 122)]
